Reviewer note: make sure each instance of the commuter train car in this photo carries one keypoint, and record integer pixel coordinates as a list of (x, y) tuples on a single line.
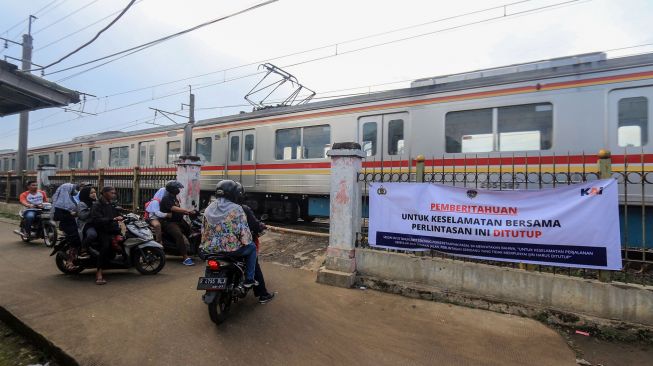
[(548, 108)]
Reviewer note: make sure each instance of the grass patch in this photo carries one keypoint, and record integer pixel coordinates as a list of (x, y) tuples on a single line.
[(5, 215)]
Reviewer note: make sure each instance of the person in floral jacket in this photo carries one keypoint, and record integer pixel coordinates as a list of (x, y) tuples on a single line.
[(224, 228)]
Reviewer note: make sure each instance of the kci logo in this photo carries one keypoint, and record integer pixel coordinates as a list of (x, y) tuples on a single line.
[(593, 191)]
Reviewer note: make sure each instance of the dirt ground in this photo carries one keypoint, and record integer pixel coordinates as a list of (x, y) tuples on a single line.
[(599, 352)]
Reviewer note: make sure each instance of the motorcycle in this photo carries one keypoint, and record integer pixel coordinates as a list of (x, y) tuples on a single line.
[(42, 226), (194, 222), (137, 248), (223, 284)]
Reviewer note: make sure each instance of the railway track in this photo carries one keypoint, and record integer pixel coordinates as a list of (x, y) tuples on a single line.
[(318, 226)]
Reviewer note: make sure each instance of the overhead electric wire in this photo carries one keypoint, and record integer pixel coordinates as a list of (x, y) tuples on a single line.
[(81, 29), (331, 45), (166, 38), (97, 35), (566, 3), (66, 16), (330, 56)]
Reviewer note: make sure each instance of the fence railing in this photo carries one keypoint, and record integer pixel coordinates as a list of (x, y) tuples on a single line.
[(134, 186), (509, 172)]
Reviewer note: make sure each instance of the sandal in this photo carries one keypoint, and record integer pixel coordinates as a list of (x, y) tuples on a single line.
[(100, 281)]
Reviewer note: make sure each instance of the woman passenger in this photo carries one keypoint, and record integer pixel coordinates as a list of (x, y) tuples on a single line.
[(87, 233)]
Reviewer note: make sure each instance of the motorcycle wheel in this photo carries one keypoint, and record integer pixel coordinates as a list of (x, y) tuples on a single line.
[(149, 261), (219, 308), (64, 266), (49, 235)]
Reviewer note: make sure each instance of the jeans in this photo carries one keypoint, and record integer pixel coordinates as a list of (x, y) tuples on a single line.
[(260, 289), (249, 252), (29, 216)]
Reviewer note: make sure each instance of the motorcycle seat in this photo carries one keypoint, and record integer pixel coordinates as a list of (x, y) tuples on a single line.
[(226, 256)]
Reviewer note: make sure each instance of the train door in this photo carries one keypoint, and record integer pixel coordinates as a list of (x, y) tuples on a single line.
[(370, 136), (395, 139), (241, 157)]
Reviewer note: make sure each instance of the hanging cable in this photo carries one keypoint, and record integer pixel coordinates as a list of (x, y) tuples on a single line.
[(163, 39), (92, 39), (81, 29)]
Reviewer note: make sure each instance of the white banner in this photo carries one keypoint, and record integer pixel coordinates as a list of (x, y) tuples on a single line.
[(571, 226)]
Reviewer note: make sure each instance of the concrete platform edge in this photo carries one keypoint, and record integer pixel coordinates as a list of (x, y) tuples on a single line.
[(606, 329), (18, 326), (336, 278)]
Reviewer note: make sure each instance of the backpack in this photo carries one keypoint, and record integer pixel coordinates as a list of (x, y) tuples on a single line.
[(146, 214)]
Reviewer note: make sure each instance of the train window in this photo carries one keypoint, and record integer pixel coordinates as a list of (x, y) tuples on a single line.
[(5, 165), (632, 127), (249, 148), (396, 137), (58, 160), (469, 131), (119, 156), (525, 127), (146, 153), (94, 160), (288, 144), (75, 160), (369, 138), (13, 164), (174, 151), (30, 163), (44, 159), (316, 141), (203, 147), (234, 148)]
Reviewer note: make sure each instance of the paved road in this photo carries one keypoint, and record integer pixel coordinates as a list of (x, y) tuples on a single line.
[(160, 320)]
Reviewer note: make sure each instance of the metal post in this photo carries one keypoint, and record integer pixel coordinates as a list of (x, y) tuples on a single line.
[(72, 175), (188, 129), (136, 188), (605, 172), (24, 116), (100, 178), (419, 169), (8, 187)]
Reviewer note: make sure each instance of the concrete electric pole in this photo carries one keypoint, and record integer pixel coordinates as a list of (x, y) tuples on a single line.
[(188, 129), (24, 116)]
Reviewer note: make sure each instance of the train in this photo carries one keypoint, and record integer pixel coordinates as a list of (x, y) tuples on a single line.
[(550, 108)]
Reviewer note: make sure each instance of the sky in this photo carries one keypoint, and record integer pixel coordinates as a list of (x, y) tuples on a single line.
[(411, 39)]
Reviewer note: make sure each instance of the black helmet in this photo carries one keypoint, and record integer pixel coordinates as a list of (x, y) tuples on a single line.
[(230, 190), (174, 187)]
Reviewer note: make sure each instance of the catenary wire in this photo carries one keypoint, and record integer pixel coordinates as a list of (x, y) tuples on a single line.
[(97, 35), (183, 92), (166, 38), (81, 29), (66, 16)]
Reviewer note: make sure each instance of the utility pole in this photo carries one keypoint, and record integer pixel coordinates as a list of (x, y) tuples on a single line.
[(188, 129), (24, 116)]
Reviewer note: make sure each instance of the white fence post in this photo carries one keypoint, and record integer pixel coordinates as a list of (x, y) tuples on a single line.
[(345, 215), (188, 174)]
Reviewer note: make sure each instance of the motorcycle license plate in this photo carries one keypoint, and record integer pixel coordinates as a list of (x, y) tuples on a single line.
[(212, 283)]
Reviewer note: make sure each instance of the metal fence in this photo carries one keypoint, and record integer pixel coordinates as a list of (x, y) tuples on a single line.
[(135, 186), (524, 171)]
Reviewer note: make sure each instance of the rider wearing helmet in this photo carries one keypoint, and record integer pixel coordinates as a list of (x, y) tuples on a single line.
[(174, 224), (256, 228), (224, 228)]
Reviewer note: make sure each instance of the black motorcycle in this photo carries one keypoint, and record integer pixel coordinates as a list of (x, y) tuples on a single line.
[(42, 226), (194, 237), (223, 282), (136, 249)]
